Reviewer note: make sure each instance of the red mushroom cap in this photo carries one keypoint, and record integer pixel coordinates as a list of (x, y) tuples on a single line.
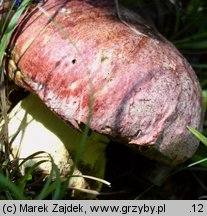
[(143, 90)]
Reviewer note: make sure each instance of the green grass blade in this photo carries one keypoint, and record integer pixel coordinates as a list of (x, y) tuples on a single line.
[(30, 157), (5, 21), (200, 136), (5, 182), (200, 159), (24, 180), (11, 27), (191, 39), (193, 45), (43, 192), (49, 190), (177, 18), (204, 94), (57, 192), (203, 66), (54, 187), (197, 162)]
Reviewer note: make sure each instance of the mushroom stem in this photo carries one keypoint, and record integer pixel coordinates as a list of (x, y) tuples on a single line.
[(34, 128)]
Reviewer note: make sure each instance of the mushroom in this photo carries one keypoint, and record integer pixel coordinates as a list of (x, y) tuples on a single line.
[(34, 129), (114, 73)]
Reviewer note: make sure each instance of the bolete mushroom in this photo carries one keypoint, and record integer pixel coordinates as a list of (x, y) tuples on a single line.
[(80, 58), (34, 129)]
